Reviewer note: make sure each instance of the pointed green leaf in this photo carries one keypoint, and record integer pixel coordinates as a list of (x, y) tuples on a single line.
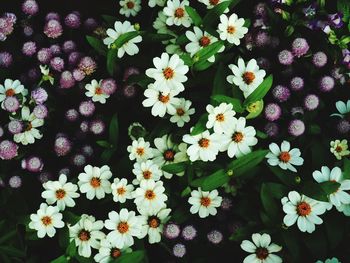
[(260, 91), (98, 45), (200, 125), (236, 103), (197, 20)]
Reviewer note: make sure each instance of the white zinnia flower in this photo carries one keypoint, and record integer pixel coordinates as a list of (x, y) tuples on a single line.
[(108, 253), (61, 192), (121, 28), (150, 196), (140, 150), (121, 190), (95, 92), (183, 112), (130, 7), (145, 171), (339, 148), (87, 234), (303, 210), (176, 13), (124, 225), (232, 29), (153, 3), (169, 73), (30, 132), (247, 78), (284, 157), (204, 202), (340, 196), (161, 101), (262, 249), (11, 88), (94, 182), (221, 117), (46, 220)]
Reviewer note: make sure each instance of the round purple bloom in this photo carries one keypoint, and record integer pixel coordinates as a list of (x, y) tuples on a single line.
[(29, 48), (129, 72), (44, 55), (52, 16), (90, 24), (87, 150), (39, 95), (336, 20), (57, 64), (319, 59), (44, 177), (189, 232), (78, 160), (53, 29), (311, 102), (285, 57), (69, 46), (296, 128), (84, 126), (297, 83), (72, 115), (55, 50), (10, 17), (97, 127), (8, 150), (260, 10), (28, 31), (272, 111), (78, 75), (33, 164), (226, 204), (15, 126), (129, 91), (67, 81), (271, 129), (74, 58), (108, 86), (62, 145), (72, 20), (30, 7), (11, 104), (87, 108), (281, 93), (300, 47), (215, 237), (87, 65), (34, 74), (40, 111), (171, 231), (263, 63), (343, 126), (262, 39), (326, 84), (5, 59), (179, 250), (15, 181)]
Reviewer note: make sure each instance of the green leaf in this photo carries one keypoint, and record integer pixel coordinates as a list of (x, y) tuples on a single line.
[(255, 109), (207, 52), (98, 45), (187, 59), (260, 92), (152, 37), (181, 40), (343, 7), (346, 169), (329, 187), (236, 103), (215, 180), (70, 217), (61, 259), (315, 191), (12, 251), (110, 19), (63, 238), (175, 168), (285, 176), (289, 30), (112, 57), (292, 243), (261, 135), (107, 155), (71, 249), (133, 257), (220, 85), (186, 192), (200, 125), (202, 65), (268, 202), (197, 20), (213, 15), (122, 39), (103, 144), (114, 130)]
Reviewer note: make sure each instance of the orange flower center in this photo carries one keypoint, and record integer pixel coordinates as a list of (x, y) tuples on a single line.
[(204, 143), (204, 41), (60, 194), (46, 220), (147, 174), (303, 209), (338, 149), (140, 151), (98, 91), (115, 253), (180, 111), (237, 137), (220, 117), (163, 99), (150, 195), (84, 235), (95, 182), (179, 12), (130, 4), (123, 227), (169, 155), (121, 190), (284, 157), (205, 201), (213, 2), (168, 73), (29, 126), (10, 92), (231, 29), (153, 222), (261, 253), (248, 77)]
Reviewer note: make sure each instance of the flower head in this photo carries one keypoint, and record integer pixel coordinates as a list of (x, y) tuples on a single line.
[(204, 202), (232, 28)]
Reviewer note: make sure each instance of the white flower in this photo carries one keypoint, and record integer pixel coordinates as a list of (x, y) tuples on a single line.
[(340, 196), (130, 7), (212, 3), (95, 92), (167, 152), (145, 171), (329, 260), (204, 202), (124, 225), (342, 108), (176, 13), (232, 29), (204, 146), (121, 190), (200, 39), (94, 182), (128, 47), (11, 88), (161, 101), (108, 253), (152, 224), (247, 78), (339, 148), (86, 233), (30, 132), (221, 117), (262, 249), (169, 73), (182, 113), (61, 192), (140, 150), (303, 210), (153, 3), (240, 138), (150, 196), (284, 157), (46, 220)]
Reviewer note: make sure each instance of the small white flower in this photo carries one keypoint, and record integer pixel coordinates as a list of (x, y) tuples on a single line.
[(204, 202), (340, 196), (339, 148), (183, 112), (87, 234), (284, 157), (125, 225), (232, 29), (212, 3), (46, 220), (262, 249), (169, 73), (11, 88), (303, 210), (150, 196), (95, 92), (145, 171), (108, 253), (247, 78), (204, 146), (130, 7), (129, 47), (152, 224), (153, 3), (121, 190), (30, 132), (240, 138), (221, 117), (140, 150), (176, 13), (342, 108), (161, 101), (329, 260), (94, 182), (61, 192)]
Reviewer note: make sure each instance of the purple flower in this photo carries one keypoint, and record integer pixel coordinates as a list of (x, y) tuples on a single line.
[(300, 47), (39, 95), (30, 7), (5, 59), (346, 57), (296, 128), (29, 48), (62, 145), (336, 20), (8, 150), (285, 57), (57, 64), (53, 29), (67, 81), (72, 20), (44, 55)]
